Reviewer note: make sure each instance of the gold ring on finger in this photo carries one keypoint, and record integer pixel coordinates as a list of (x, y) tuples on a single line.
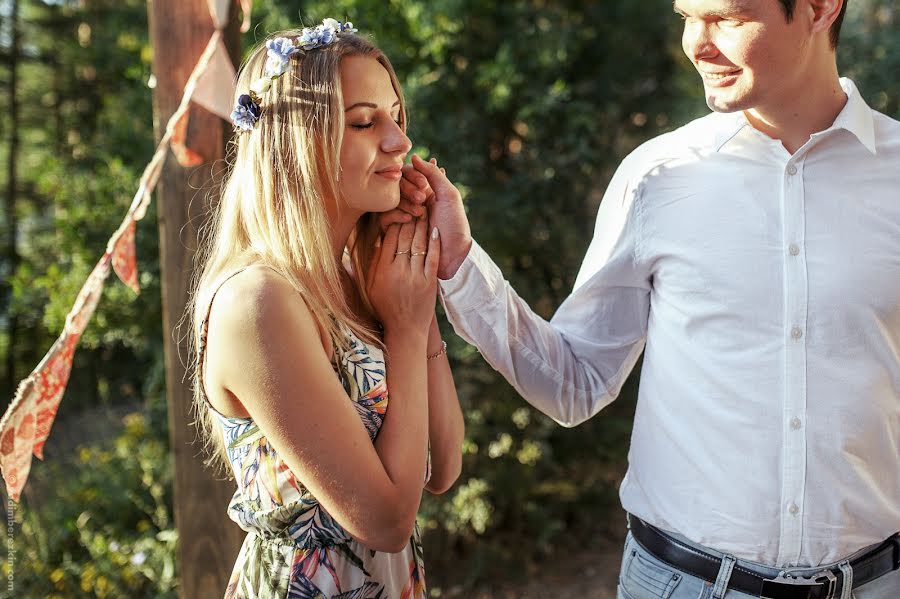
[(403, 252), (418, 254)]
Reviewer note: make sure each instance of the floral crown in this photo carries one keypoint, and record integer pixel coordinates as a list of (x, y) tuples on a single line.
[(248, 109)]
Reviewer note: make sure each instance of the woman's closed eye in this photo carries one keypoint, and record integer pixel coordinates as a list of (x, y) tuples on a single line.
[(369, 124)]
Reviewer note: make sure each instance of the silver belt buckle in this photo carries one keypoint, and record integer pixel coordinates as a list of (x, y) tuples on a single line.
[(783, 586)]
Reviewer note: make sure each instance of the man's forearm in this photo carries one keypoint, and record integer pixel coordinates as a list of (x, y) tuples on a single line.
[(534, 355)]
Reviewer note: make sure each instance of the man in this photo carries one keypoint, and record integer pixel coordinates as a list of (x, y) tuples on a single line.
[(754, 256)]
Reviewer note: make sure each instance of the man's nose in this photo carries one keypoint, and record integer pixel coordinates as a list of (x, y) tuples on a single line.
[(697, 41)]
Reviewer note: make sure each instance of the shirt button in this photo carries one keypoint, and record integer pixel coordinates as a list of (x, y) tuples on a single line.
[(795, 424), (793, 509), (792, 170), (796, 333), (794, 249)]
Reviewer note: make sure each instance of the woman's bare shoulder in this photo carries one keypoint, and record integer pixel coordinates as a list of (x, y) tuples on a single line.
[(259, 304)]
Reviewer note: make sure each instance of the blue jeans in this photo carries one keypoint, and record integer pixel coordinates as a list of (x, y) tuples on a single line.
[(644, 577)]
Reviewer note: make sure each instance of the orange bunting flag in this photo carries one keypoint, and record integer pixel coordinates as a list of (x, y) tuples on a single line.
[(26, 424), (179, 144), (124, 257)]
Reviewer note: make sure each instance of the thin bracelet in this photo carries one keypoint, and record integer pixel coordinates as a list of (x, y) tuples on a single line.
[(440, 353)]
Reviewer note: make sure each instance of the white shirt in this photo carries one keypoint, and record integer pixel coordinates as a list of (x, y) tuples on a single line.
[(766, 288)]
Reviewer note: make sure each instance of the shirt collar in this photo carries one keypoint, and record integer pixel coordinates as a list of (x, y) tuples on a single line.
[(730, 127), (856, 118)]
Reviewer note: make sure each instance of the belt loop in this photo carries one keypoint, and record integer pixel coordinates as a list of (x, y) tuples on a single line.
[(847, 571), (724, 577)]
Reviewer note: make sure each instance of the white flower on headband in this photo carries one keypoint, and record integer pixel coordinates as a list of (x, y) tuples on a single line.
[(280, 51), (276, 67), (261, 85)]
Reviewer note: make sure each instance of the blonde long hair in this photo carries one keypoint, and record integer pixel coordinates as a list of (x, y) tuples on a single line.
[(272, 207)]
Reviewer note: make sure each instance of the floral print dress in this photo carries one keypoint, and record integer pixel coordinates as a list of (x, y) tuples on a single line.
[(294, 549)]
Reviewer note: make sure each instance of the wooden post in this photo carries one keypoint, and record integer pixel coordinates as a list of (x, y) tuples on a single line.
[(208, 540)]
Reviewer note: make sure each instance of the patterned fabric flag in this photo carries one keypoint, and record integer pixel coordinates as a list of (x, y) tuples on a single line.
[(215, 89), (124, 256), (26, 424)]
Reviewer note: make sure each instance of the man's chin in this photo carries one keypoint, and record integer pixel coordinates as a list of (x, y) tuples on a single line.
[(717, 103)]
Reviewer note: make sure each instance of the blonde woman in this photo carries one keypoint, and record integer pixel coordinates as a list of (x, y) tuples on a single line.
[(305, 315)]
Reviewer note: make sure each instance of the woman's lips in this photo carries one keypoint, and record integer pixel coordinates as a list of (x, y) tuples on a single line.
[(393, 173)]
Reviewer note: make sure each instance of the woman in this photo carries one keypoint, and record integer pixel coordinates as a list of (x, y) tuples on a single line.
[(305, 315)]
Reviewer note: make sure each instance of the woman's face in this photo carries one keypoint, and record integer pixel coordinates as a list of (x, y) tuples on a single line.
[(374, 145)]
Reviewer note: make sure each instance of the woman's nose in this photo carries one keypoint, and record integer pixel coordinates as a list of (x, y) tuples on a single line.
[(396, 141)]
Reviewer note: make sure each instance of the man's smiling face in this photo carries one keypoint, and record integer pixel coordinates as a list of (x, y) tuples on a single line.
[(747, 53)]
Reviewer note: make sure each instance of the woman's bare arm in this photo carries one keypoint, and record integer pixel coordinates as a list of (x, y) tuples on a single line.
[(445, 419)]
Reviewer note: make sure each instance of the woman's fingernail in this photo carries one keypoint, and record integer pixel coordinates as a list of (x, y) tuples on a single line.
[(434, 233), (378, 241)]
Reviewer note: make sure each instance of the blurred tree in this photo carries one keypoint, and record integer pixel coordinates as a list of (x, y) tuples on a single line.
[(12, 227)]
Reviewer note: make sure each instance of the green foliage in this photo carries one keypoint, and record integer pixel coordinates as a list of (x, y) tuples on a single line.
[(869, 53), (100, 522)]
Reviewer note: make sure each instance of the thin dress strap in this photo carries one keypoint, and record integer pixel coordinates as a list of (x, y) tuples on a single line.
[(204, 328)]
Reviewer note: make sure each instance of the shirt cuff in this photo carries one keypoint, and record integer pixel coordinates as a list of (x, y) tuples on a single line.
[(475, 283)]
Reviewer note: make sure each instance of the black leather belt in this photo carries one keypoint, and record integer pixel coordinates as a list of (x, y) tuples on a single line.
[(826, 585)]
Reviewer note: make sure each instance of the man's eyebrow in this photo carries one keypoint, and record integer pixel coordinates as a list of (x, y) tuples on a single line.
[(735, 7), (368, 105)]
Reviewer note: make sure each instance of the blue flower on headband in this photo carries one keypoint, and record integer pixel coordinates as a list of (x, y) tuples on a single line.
[(316, 37), (324, 34), (282, 47), (246, 113)]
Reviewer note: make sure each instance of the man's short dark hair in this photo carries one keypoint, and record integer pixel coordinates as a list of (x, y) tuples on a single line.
[(789, 5)]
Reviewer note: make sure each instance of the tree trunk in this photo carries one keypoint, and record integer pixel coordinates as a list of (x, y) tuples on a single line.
[(208, 541), (12, 226)]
